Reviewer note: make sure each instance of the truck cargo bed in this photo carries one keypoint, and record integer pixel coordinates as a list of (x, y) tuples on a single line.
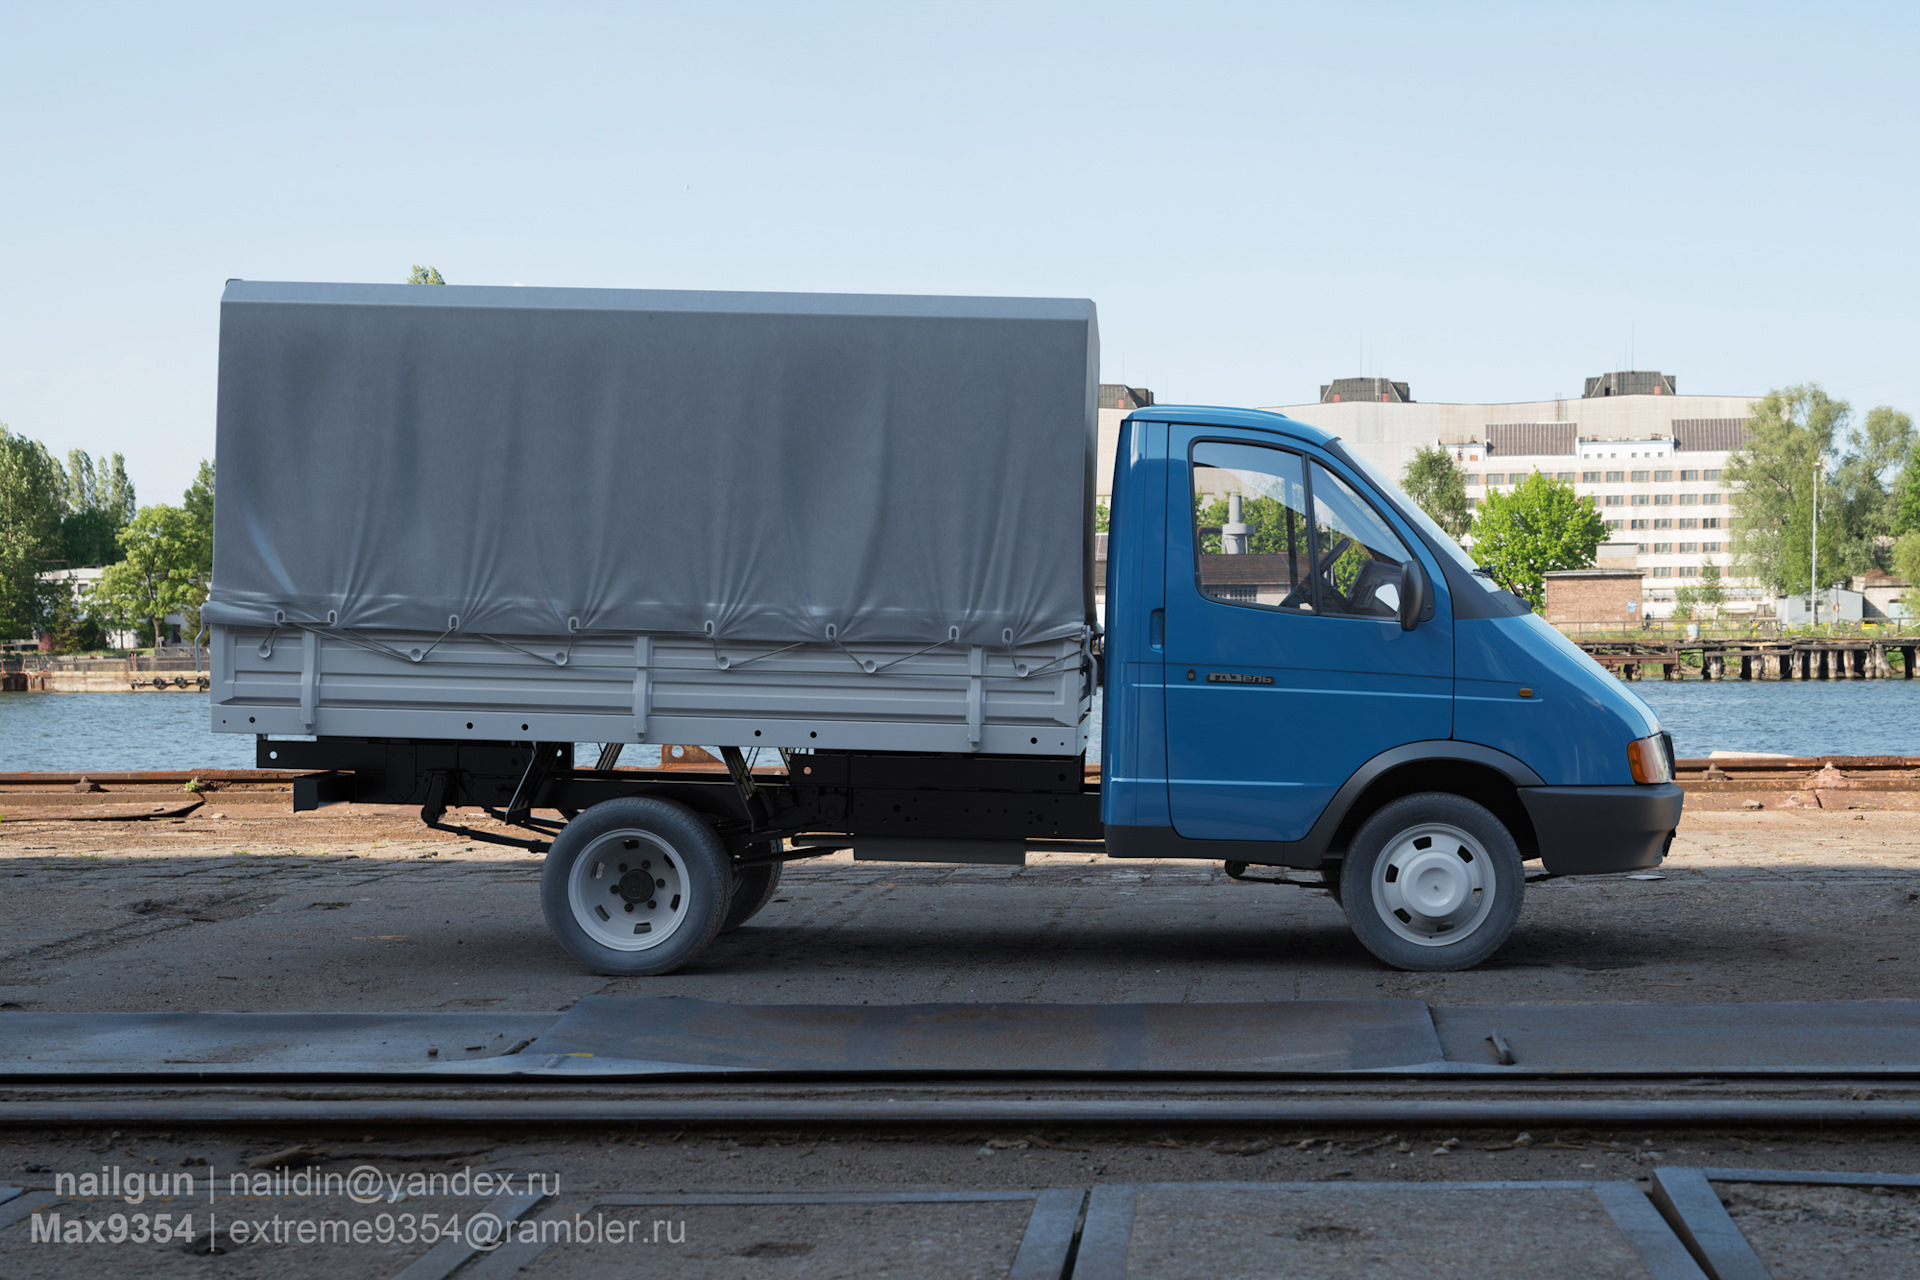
[(610, 688), (798, 520)]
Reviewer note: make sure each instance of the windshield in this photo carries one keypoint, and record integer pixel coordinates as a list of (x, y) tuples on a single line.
[(1407, 507)]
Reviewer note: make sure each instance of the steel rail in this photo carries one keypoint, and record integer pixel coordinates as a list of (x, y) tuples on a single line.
[(936, 1112)]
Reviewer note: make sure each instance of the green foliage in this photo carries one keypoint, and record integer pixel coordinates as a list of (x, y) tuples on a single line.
[(1434, 480), (96, 501), (1266, 520), (75, 627), (198, 505), (1541, 526), (1711, 593), (425, 275), (29, 532), (1906, 499), (156, 577), (1778, 478), (1877, 453), (1906, 560), (1102, 517), (1346, 569), (1683, 601)]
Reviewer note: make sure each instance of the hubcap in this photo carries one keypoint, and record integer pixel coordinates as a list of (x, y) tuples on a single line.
[(628, 891), (1433, 885)]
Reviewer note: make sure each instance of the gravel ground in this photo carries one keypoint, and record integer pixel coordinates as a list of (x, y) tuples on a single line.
[(357, 909), (241, 912)]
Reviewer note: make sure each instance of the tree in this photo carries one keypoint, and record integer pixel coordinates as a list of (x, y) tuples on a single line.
[(29, 532), (1778, 477), (1271, 528), (97, 501), (1539, 527), (425, 275), (1906, 498), (1684, 599), (1906, 560), (1711, 593), (156, 576), (198, 506), (1869, 507), (74, 627), (1434, 480), (1102, 517)]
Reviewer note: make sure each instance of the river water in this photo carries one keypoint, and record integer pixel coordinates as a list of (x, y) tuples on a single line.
[(169, 730), (67, 731)]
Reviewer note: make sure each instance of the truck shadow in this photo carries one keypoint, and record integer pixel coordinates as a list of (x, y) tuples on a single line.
[(773, 948)]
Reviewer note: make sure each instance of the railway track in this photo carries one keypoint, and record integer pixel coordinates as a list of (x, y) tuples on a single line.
[(1851, 1102)]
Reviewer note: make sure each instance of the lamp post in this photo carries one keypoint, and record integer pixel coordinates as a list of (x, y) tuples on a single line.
[(1813, 567)]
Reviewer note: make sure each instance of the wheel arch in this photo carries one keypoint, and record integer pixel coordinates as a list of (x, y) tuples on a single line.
[(1487, 777)]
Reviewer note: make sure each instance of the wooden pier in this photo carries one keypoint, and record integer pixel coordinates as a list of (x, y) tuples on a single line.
[(1838, 658)]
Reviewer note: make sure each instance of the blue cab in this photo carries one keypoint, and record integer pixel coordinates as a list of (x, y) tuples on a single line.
[(1302, 670)]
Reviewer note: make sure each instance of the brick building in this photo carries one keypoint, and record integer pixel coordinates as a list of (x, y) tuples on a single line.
[(1593, 595)]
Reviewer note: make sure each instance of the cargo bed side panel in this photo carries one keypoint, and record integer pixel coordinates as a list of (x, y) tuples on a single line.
[(601, 688)]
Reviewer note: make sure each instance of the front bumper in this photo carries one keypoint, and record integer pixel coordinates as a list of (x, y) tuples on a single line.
[(1594, 830)]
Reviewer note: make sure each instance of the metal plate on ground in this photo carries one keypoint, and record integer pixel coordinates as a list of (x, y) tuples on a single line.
[(953, 1235), (1831, 1037), (1255, 1038), (1777, 1224), (643, 1036), (1421, 1231), (33, 1043)]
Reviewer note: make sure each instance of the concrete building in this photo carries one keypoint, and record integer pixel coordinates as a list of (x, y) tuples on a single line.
[(1649, 457), (80, 583), (1884, 597), (1837, 604), (1117, 400)]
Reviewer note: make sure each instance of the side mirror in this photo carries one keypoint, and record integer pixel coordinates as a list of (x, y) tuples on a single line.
[(1415, 592)]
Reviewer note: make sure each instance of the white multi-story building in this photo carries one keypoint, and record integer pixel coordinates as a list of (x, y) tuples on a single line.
[(1651, 460)]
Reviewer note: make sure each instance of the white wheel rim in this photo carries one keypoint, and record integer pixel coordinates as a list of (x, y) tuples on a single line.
[(1433, 885), (605, 884)]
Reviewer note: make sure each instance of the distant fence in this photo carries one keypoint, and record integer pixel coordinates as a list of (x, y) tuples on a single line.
[(175, 670), (130, 665), (1735, 629)]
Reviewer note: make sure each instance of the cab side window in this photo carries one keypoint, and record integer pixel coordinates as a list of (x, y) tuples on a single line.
[(1251, 538), (1360, 558)]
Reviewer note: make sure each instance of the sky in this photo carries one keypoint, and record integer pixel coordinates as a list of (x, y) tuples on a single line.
[(1490, 202)]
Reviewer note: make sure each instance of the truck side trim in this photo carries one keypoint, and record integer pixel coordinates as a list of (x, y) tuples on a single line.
[(1311, 850)]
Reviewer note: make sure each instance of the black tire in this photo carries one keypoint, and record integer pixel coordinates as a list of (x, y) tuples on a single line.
[(1236, 869), (1456, 855), (753, 888), (617, 847)]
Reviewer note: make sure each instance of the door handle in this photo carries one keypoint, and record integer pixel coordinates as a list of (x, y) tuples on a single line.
[(1157, 629)]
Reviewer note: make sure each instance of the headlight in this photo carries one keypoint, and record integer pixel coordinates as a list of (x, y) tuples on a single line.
[(1648, 760)]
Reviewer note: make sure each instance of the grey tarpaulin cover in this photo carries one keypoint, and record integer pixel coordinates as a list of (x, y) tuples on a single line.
[(399, 455)]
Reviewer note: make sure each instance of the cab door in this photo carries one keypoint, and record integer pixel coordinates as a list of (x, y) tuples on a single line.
[(1286, 667)]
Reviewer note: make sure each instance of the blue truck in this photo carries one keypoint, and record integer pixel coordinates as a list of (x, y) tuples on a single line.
[(847, 544)]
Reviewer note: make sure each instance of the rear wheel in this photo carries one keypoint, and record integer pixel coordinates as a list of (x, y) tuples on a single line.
[(636, 886), (1432, 882), (753, 888)]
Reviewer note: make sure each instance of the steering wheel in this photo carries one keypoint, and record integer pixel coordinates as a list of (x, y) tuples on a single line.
[(1364, 597), (1326, 561), (1298, 596)]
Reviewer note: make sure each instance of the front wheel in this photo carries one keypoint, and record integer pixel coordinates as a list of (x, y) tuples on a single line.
[(636, 887), (1432, 882)]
